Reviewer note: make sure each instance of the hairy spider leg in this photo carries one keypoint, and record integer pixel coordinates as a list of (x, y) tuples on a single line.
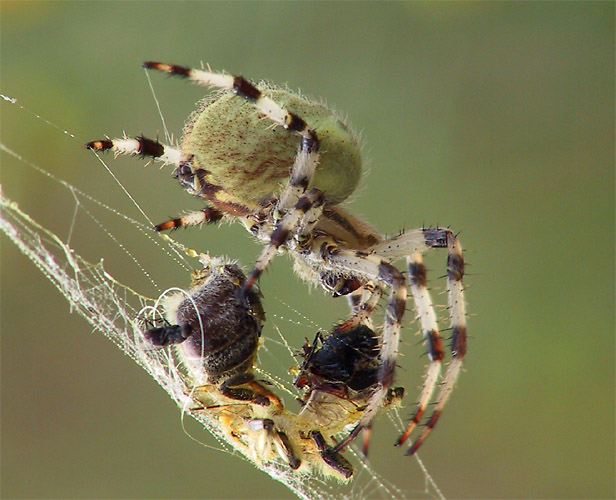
[(457, 312), (138, 146), (373, 267), (429, 328), (412, 244), (166, 154)]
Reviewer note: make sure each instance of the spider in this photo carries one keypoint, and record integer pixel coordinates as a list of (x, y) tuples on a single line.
[(215, 328), (286, 183)]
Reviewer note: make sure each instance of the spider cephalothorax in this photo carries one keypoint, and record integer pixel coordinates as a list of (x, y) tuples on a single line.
[(281, 164)]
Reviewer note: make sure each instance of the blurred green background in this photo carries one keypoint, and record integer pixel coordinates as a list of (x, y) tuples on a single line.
[(495, 118)]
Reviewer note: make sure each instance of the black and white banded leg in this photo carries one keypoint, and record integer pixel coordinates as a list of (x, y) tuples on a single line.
[(429, 328), (457, 314), (412, 244), (373, 268), (168, 155), (310, 205), (141, 146)]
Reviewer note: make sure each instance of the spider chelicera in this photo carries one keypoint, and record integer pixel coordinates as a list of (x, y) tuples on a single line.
[(285, 183)]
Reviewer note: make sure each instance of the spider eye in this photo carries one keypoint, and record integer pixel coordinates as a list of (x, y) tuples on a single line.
[(338, 285), (185, 175), (184, 170)]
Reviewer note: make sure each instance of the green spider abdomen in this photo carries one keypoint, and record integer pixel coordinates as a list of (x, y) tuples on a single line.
[(240, 160)]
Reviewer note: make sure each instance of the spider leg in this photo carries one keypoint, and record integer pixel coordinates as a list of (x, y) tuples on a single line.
[(413, 244), (457, 312), (305, 163), (138, 146), (312, 201), (410, 242), (429, 327), (243, 88), (205, 215), (373, 267)]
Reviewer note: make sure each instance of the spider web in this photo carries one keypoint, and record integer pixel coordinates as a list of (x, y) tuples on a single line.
[(113, 309)]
